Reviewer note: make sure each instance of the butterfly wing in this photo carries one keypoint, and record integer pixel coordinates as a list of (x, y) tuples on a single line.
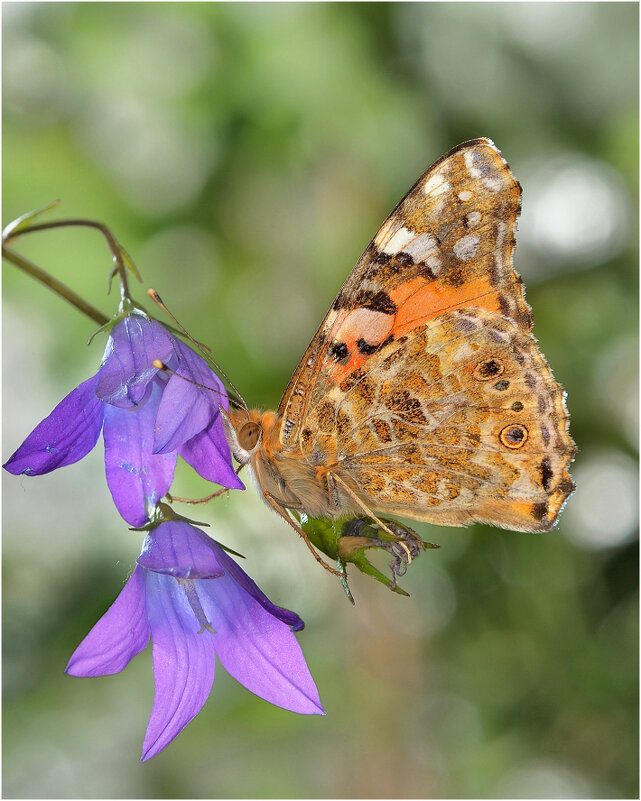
[(459, 420), (423, 388), (447, 244)]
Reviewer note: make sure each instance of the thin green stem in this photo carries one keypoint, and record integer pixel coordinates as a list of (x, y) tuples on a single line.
[(56, 286)]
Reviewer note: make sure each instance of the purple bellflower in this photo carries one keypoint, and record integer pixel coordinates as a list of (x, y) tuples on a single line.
[(196, 602), (146, 415)]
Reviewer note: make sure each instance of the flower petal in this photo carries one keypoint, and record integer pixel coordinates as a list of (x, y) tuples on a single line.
[(180, 550), (257, 649), (185, 409), (127, 370), (137, 478), (64, 437), (208, 453), (250, 586), (183, 662), (120, 634)]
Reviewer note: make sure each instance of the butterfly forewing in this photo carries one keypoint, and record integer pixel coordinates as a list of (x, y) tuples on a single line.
[(447, 244)]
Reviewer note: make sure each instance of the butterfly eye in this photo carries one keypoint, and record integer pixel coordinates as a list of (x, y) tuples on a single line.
[(488, 369), (514, 436), (249, 435)]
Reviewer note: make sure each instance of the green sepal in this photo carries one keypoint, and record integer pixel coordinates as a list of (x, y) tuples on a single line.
[(129, 262), (162, 513), (126, 308), (24, 221), (326, 536)]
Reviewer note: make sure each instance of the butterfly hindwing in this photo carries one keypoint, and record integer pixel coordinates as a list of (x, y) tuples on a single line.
[(459, 420)]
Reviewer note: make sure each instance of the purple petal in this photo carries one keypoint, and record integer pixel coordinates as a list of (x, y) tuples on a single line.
[(183, 662), (192, 365), (250, 586), (120, 634), (68, 434), (127, 370), (186, 409), (182, 551), (257, 649), (208, 453), (183, 412), (137, 478)]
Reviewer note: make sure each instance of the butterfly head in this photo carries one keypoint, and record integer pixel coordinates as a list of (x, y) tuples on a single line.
[(244, 432)]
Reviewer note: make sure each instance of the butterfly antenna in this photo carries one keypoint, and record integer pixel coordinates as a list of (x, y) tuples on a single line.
[(160, 365), (238, 399)]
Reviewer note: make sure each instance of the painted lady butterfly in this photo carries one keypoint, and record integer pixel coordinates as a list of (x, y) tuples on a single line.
[(423, 393)]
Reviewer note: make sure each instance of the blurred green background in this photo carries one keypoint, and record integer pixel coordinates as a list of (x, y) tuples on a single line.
[(245, 154)]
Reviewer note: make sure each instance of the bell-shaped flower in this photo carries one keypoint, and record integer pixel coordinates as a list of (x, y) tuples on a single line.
[(196, 602), (147, 416)]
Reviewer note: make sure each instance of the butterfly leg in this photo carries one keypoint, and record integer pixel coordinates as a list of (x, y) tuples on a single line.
[(360, 533), (369, 513), (172, 498), (221, 491), (277, 507)]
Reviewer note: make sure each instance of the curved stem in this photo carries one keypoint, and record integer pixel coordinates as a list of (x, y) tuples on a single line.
[(115, 248), (56, 286)]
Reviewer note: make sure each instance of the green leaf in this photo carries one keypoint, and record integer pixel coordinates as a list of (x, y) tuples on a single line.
[(24, 221), (128, 262)]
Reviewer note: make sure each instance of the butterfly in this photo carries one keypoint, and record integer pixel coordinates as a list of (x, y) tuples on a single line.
[(423, 393)]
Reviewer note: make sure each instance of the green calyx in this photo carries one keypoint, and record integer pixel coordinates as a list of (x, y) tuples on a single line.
[(126, 308), (163, 513)]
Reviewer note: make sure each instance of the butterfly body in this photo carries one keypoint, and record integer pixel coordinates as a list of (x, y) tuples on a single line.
[(424, 393), (292, 478)]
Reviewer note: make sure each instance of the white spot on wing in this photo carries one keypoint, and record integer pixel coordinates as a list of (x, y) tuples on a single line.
[(466, 247), (473, 218), (465, 195), (329, 322), (493, 182), (434, 263), (464, 353), (423, 246), (398, 241), (469, 163), (436, 185), (499, 253), (382, 235)]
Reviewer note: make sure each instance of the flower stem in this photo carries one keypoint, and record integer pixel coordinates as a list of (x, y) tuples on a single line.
[(119, 254), (56, 286)]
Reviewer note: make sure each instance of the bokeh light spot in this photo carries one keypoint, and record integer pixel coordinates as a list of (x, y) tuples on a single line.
[(604, 511), (543, 779), (576, 213)]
